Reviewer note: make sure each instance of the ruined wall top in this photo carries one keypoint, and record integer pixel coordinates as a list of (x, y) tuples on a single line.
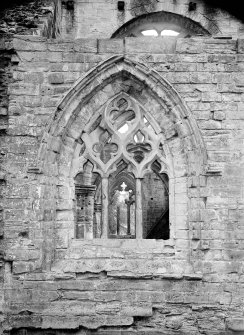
[(26, 17), (102, 19)]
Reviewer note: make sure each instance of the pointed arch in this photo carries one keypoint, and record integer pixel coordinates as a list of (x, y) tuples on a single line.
[(177, 121)]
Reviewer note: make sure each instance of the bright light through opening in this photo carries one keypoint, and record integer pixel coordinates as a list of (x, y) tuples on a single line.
[(151, 32), (123, 129), (169, 33)]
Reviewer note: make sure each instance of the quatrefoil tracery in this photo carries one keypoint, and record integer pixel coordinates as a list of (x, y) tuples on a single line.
[(122, 131), (104, 147)]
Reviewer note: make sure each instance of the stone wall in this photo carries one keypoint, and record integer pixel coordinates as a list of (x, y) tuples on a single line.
[(26, 18), (190, 284), (6, 53)]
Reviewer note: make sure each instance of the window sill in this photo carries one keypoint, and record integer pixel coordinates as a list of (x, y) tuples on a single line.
[(124, 243), (123, 237)]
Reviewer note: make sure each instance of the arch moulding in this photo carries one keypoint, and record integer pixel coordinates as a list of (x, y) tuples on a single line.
[(62, 126)]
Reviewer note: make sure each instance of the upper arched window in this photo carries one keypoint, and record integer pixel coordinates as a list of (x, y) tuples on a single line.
[(122, 190), (160, 24)]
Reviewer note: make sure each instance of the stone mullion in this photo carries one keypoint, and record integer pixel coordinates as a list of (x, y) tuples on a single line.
[(139, 223), (128, 218), (118, 220), (97, 220), (129, 203), (104, 207)]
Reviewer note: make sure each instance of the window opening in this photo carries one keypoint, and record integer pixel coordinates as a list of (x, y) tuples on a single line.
[(124, 129), (122, 205), (167, 32), (150, 32), (164, 32), (155, 206), (121, 190)]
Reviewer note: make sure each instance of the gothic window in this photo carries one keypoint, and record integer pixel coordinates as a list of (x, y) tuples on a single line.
[(122, 189)]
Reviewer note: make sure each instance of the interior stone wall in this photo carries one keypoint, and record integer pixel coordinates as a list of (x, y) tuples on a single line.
[(155, 201), (190, 284)]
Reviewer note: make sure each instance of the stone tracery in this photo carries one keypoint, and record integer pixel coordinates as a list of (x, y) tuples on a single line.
[(120, 144)]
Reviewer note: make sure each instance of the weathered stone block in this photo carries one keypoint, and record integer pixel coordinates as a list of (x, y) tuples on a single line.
[(56, 78), (31, 89), (62, 238), (178, 77), (85, 45), (239, 80), (210, 124), (189, 46), (240, 46), (2, 44), (26, 44), (235, 324), (211, 96), (3, 111), (216, 46), (77, 285), (40, 56), (219, 116), (23, 267), (71, 308), (34, 77), (150, 45), (25, 321), (201, 78), (115, 46), (195, 215), (137, 310), (62, 45)]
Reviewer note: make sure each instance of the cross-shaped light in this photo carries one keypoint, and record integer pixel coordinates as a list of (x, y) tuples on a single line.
[(123, 186)]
